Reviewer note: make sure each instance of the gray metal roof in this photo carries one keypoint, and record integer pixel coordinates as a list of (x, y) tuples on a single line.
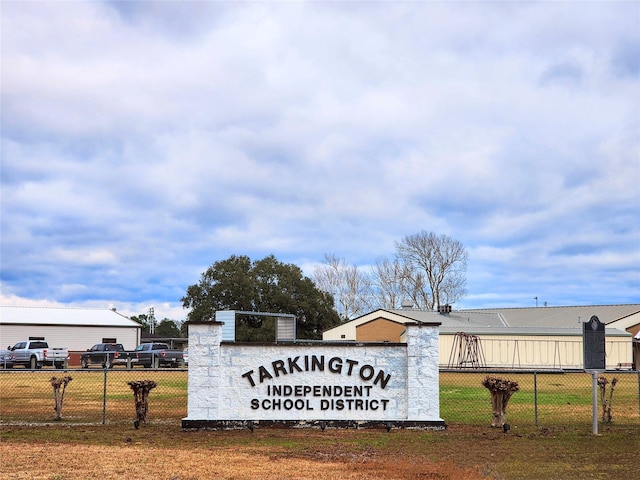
[(558, 317), (463, 319), (16, 315), (515, 321), (496, 323)]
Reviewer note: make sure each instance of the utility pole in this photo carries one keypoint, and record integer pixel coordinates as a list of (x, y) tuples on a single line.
[(152, 321)]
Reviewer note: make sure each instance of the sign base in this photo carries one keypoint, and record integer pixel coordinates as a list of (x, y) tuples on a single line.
[(322, 424)]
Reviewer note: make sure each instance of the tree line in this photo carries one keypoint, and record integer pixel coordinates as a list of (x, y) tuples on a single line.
[(166, 328)]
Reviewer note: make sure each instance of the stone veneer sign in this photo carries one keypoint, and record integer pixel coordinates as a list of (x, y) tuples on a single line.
[(234, 385)]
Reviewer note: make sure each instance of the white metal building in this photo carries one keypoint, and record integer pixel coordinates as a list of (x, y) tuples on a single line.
[(74, 328), (540, 337)]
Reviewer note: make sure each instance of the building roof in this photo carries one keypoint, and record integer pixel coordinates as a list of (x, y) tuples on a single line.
[(495, 323), (86, 317), (455, 318), (559, 317), (512, 321)]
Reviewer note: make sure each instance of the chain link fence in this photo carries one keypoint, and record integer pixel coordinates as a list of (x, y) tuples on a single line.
[(92, 396), (97, 396), (544, 397)]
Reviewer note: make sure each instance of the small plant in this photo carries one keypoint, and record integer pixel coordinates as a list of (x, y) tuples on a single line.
[(606, 402), (501, 391), (141, 389), (59, 387)]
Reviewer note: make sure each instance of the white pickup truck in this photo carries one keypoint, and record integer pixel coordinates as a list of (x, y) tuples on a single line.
[(36, 353)]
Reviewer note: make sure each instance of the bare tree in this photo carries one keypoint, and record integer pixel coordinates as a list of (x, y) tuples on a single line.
[(349, 285), (387, 278), (436, 266), (429, 270), (394, 281), (59, 387), (501, 391)]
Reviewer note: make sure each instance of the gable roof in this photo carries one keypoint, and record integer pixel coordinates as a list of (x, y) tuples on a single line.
[(68, 316)]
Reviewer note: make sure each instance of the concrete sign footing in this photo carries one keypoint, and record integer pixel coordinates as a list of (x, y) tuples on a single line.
[(321, 424)]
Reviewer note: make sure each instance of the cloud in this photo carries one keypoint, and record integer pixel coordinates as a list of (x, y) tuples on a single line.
[(143, 141)]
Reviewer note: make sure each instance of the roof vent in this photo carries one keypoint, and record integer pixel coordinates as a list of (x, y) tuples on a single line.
[(407, 304), (444, 309)]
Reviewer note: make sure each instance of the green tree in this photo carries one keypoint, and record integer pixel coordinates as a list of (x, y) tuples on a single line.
[(142, 319), (265, 285), (184, 329), (168, 329)]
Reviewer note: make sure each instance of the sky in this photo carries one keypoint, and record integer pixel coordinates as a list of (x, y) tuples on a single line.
[(143, 141)]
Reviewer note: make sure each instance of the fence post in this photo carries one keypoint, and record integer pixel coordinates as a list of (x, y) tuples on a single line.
[(104, 398), (594, 401), (639, 392), (535, 396)]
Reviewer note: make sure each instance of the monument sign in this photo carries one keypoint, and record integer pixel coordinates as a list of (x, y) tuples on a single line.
[(238, 385)]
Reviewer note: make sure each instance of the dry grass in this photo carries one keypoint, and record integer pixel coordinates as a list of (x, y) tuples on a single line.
[(60, 452), (132, 461), (173, 454), (28, 395)]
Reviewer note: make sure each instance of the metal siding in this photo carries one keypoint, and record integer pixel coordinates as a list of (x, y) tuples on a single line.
[(75, 339), (445, 344), (348, 330), (286, 329), (538, 352), (228, 317)]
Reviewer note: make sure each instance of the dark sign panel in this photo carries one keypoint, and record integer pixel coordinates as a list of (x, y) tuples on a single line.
[(593, 338)]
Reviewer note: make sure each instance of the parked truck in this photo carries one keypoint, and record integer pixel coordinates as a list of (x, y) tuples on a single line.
[(37, 353), (157, 355), (107, 355), (6, 359)]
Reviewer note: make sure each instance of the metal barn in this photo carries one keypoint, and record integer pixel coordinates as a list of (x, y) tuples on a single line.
[(74, 328), (541, 337)]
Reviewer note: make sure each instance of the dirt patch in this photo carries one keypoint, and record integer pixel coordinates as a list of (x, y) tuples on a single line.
[(136, 460)]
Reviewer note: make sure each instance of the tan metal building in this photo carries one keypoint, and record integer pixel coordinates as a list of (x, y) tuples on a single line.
[(540, 337)]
